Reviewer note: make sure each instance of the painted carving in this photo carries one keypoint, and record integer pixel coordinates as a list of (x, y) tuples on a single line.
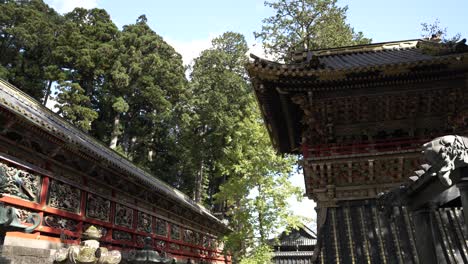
[(9, 221), (64, 196), (189, 237), (140, 240), (174, 246), (121, 235), (186, 248), (23, 215), (144, 222), (123, 216), (197, 239), (89, 251), (446, 154), (206, 242), (161, 227), (317, 131), (98, 207), (175, 232), (19, 183), (60, 223), (161, 244)]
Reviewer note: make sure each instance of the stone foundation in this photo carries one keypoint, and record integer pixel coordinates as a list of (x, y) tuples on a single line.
[(25, 255)]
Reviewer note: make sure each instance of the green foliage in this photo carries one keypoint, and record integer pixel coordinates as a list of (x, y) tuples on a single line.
[(72, 105), (246, 177), (436, 31), (27, 38), (306, 25), (258, 188), (219, 95), (260, 255), (128, 89), (148, 76), (120, 106)]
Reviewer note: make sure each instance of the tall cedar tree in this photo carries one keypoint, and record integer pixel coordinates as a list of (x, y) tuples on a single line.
[(142, 102), (219, 96), (237, 165), (306, 25), (28, 31)]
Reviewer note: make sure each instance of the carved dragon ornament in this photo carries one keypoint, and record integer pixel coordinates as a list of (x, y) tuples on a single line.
[(445, 154)]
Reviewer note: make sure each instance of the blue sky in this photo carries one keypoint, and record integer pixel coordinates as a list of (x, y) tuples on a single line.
[(189, 25)]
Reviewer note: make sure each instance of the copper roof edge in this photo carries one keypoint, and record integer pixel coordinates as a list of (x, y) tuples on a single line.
[(58, 124)]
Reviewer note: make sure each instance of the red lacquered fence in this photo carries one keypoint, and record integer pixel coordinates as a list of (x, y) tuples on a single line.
[(334, 149), (68, 206)]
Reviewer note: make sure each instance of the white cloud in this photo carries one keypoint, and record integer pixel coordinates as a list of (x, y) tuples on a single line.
[(191, 49), (64, 6)]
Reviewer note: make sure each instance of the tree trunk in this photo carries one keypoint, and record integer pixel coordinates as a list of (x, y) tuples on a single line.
[(151, 148), (260, 220), (199, 184), (115, 132), (47, 94)]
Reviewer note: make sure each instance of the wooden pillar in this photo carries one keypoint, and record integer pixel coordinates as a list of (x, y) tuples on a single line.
[(424, 236)]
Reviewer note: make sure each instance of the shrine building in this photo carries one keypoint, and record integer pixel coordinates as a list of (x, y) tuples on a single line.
[(72, 181), (359, 116), (294, 247)]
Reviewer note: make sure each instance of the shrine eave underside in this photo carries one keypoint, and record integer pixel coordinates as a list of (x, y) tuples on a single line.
[(28, 111), (372, 68)]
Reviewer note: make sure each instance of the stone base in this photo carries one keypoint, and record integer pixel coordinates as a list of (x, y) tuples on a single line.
[(25, 255)]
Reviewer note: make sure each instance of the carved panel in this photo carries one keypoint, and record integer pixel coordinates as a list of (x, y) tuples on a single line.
[(161, 227), (387, 170), (19, 183), (341, 173), (123, 216), (64, 196), (186, 248), (174, 246), (206, 242), (144, 222), (360, 172), (141, 240), (98, 207), (23, 214), (175, 232), (213, 243), (58, 222), (121, 235), (189, 236), (197, 239), (161, 244)]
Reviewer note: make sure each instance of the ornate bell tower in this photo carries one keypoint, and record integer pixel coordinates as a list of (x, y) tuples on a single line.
[(359, 115)]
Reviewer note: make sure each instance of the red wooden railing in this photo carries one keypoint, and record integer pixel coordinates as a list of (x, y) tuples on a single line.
[(52, 234)]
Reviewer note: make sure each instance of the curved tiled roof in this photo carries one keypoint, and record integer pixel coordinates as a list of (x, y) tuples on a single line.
[(19, 103), (343, 71), (360, 58)]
